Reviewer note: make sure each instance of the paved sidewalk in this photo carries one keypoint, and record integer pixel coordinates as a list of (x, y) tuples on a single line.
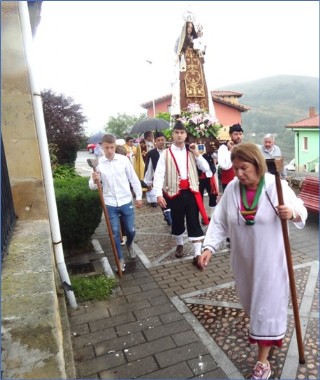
[(167, 319)]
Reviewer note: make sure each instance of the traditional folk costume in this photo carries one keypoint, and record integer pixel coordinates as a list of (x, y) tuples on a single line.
[(224, 161), (257, 253), (150, 167), (139, 161), (176, 176), (152, 158), (207, 181), (131, 152)]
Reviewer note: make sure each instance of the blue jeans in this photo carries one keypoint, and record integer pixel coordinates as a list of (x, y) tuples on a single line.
[(126, 213)]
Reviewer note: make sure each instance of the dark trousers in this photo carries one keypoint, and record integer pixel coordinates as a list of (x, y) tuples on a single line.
[(204, 184), (184, 207)]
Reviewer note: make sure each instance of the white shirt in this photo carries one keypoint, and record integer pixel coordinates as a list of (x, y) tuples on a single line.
[(181, 158), (116, 175), (224, 157)]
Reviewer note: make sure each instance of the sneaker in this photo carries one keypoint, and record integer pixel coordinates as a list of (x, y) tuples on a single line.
[(122, 266), (124, 239), (261, 371), (131, 252)]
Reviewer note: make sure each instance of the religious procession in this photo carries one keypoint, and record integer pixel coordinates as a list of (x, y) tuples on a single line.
[(206, 193)]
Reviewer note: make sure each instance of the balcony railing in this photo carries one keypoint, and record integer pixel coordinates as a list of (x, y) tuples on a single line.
[(8, 216)]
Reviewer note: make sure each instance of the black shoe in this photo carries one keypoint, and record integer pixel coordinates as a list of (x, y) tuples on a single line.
[(154, 205), (179, 251), (195, 262)]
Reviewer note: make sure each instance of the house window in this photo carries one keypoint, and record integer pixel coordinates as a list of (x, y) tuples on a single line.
[(305, 143)]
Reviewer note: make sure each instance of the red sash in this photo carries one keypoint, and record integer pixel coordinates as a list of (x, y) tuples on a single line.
[(185, 185), (227, 176), (214, 186)]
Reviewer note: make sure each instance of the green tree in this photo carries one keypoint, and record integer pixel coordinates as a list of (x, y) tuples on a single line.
[(122, 123), (64, 124)]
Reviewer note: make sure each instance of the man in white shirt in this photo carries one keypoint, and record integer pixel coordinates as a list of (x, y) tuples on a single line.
[(116, 174), (176, 177)]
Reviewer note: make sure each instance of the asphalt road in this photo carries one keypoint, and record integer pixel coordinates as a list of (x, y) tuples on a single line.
[(81, 165)]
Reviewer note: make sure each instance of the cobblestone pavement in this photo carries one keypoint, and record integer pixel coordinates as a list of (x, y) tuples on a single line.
[(167, 319)]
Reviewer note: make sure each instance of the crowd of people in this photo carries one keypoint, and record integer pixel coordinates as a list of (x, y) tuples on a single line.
[(175, 177)]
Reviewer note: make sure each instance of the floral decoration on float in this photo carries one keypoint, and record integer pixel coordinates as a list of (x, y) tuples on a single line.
[(199, 123)]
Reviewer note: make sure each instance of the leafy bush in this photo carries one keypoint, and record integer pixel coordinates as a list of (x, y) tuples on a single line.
[(65, 171), (79, 211), (92, 288)]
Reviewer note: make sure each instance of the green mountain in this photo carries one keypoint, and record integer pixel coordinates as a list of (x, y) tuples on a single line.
[(275, 102)]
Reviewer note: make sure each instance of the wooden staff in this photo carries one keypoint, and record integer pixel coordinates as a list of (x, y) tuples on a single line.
[(275, 167), (93, 163)]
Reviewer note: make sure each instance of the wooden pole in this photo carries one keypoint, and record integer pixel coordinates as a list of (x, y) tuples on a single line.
[(275, 166), (105, 211)]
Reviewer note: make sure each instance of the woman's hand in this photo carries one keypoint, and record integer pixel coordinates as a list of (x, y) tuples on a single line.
[(204, 259), (287, 213)]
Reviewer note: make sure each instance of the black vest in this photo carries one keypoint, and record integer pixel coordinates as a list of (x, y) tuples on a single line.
[(154, 156)]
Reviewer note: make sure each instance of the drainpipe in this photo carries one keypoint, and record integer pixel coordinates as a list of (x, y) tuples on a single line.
[(298, 150), (44, 156)]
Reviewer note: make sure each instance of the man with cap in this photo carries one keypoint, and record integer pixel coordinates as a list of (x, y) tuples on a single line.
[(224, 154), (152, 158), (176, 176)]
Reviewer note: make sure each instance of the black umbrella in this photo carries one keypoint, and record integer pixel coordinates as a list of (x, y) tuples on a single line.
[(150, 125), (96, 138)]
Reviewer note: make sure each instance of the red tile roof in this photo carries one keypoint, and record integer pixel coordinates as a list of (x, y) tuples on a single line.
[(310, 122), (226, 93), (217, 95)]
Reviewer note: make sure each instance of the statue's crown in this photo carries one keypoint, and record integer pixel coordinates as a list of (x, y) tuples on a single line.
[(189, 16)]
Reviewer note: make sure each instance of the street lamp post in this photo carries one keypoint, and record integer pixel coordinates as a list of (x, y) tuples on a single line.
[(153, 103)]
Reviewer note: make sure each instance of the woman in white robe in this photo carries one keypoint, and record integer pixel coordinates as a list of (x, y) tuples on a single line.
[(257, 250)]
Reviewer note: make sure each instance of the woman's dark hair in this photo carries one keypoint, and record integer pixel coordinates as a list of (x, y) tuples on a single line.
[(249, 152), (193, 33)]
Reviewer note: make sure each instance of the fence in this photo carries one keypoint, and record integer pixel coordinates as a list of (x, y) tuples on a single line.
[(8, 217)]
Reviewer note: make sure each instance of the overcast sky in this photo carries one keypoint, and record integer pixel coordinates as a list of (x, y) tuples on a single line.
[(96, 51)]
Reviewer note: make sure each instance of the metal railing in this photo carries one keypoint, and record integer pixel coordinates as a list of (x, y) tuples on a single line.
[(8, 216)]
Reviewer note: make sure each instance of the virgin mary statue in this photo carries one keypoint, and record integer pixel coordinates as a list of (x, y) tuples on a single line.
[(189, 86)]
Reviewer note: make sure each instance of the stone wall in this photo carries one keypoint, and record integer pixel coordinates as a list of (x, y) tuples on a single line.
[(35, 331)]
